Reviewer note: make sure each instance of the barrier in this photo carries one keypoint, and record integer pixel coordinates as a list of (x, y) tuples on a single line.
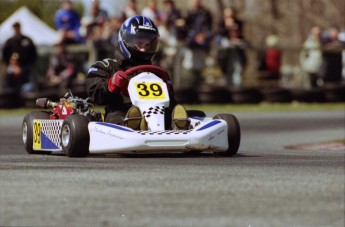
[(212, 91)]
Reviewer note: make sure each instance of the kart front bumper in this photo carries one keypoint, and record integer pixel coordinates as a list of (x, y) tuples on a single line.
[(111, 138)]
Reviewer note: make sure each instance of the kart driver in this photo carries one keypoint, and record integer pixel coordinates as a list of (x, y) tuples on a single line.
[(107, 84)]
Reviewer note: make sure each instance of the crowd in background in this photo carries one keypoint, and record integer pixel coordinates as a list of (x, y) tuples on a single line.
[(187, 42), (320, 58)]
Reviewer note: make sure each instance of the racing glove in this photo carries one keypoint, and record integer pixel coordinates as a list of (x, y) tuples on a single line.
[(118, 82)]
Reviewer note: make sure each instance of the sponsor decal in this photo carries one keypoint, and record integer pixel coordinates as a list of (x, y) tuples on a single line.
[(147, 28), (220, 132), (92, 70), (106, 132)]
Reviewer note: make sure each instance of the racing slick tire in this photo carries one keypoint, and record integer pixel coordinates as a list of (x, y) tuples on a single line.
[(234, 133), (28, 127), (75, 136)]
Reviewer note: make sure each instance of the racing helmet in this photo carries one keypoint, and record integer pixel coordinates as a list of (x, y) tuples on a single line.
[(138, 38)]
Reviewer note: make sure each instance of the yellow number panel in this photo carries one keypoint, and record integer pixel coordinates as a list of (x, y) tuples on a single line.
[(150, 91), (37, 134)]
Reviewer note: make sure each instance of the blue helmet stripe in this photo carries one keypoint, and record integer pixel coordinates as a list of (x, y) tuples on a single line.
[(147, 22), (123, 48), (137, 18)]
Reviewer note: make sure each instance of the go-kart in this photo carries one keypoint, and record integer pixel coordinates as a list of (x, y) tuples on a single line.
[(75, 129)]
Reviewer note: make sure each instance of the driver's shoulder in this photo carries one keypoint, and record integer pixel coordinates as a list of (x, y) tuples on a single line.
[(106, 63)]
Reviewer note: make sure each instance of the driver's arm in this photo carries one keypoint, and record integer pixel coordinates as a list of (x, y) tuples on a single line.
[(97, 83)]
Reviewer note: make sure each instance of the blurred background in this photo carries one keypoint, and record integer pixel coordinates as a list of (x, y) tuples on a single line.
[(224, 51)]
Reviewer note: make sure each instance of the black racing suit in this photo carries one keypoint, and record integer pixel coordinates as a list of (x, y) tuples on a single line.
[(116, 104)]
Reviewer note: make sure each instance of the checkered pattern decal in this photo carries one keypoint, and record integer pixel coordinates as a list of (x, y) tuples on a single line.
[(153, 110), (169, 132), (52, 129)]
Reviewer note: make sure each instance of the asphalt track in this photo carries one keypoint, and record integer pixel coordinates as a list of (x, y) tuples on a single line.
[(266, 184)]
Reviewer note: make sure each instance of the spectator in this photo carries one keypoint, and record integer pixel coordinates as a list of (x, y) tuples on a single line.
[(199, 20), (99, 16), (67, 22), (342, 39), (173, 19), (86, 26), (14, 76), (101, 39), (172, 31), (273, 56), (151, 11), (311, 55), (232, 57), (130, 10), (111, 30), (229, 21), (19, 54), (62, 67), (270, 60), (331, 66)]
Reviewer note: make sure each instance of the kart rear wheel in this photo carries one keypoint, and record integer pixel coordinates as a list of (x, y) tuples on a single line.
[(27, 129), (75, 136), (234, 133)]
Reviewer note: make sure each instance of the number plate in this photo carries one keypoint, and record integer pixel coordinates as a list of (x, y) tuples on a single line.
[(150, 91), (37, 145)]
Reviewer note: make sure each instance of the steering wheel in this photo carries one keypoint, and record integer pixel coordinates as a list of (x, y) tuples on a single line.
[(149, 68)]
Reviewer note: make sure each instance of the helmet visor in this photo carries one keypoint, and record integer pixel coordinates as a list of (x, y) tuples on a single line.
[(147, 43)]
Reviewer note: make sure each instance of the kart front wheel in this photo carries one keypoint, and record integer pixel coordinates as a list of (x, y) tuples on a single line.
[(28, 129), (75, 136), (234, 133)]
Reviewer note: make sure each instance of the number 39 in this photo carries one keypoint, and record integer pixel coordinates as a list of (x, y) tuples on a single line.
[(37, 132), (153, 89)]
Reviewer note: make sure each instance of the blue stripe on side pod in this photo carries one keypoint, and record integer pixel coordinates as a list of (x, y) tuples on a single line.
[(114, 126), (209, 125)]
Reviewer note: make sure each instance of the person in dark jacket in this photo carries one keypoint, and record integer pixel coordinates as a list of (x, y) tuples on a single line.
[(23, 49), (331, 66), (106, 81), (199, 20)]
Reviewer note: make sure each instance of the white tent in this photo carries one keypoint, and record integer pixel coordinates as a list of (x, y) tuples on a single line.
[(31, 26)]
